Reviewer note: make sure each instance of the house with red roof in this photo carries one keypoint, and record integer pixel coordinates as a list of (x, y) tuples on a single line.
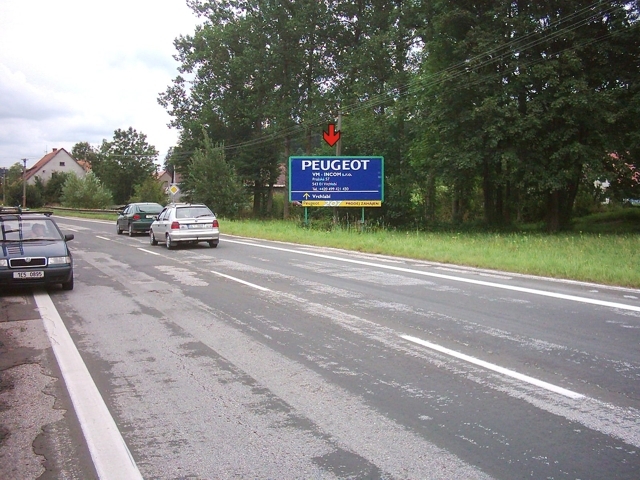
[(58, 160), (165, 179)]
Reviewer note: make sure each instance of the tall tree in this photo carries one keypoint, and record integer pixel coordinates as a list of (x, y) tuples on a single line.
[(84, 151), (211, 180), (519, 95), (258, 73), (125, 162), (567, 84)]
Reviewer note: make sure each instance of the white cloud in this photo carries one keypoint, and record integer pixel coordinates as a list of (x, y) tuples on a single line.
[(74, 71), (21, 100)]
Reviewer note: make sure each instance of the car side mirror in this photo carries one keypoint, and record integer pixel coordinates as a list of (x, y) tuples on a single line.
[(68, 236)]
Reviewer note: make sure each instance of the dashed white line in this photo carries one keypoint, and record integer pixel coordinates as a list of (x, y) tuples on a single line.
[(103, 238), (253, 285), (149, 251), (532, 291), (495, 368)]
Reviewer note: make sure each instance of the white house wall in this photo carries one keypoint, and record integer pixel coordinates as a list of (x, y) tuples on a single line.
[(62, 162)]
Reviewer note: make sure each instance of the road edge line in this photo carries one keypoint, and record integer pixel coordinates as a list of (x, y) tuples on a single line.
[(111, 457)]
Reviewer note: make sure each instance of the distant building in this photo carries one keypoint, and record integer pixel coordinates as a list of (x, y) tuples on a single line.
[(167, 180), (58, 160)]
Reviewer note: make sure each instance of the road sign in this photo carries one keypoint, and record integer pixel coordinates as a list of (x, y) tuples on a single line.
[(337, 181), (332, 136), (174, 189)]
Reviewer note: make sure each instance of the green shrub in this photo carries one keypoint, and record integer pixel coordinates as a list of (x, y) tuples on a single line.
[(150, 191), (85, 192)]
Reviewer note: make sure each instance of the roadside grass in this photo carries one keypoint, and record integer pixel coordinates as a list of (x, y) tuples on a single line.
[(606, 259), (584, 254)]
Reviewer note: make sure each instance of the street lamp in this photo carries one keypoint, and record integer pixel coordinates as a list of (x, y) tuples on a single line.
[(24, 183)]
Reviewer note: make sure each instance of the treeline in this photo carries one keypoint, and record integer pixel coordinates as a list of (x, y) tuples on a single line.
[(122, 170), (504, 111)]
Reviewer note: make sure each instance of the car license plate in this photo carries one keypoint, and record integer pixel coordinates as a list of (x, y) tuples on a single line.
[(28, 275), (199, 225)]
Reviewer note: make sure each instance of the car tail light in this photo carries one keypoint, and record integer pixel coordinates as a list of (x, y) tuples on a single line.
[(136, 217), (215, 224), (175, 226)]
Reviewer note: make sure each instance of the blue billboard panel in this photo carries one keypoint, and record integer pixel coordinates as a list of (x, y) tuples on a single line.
[(317, 181)]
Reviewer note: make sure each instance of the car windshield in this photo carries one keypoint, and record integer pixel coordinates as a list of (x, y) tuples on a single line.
[(15, 229), (150, 208), (193, 212)]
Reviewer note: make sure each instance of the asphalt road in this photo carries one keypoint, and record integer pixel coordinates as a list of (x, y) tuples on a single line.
[(274, 361)]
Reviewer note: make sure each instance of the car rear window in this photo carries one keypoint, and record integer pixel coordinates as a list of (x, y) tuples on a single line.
[(193, 212), (150, 208)]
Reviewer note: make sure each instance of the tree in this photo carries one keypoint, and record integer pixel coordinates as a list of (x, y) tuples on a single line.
[(14, 174), (150, 191), (14, 188), (213, 181), (53, 188), (34, 195), (519, 96), (84, 151), (124, 162), (257, 70), (500, 105), (87, 192)]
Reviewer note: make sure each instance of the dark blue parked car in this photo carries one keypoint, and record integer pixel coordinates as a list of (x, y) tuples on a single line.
[(33, 250)]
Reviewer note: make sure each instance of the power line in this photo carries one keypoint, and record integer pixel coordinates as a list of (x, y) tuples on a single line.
[(484, 59)]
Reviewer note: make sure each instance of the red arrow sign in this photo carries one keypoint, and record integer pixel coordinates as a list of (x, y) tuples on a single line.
[(332, 137)]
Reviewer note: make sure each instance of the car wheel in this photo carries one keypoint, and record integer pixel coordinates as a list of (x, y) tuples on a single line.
[(130, 230), (213, 244), (169, 243), (118, 229), (68, 285), (152, 238)]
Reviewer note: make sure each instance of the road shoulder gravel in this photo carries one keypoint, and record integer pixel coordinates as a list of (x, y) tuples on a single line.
[(39, 433)]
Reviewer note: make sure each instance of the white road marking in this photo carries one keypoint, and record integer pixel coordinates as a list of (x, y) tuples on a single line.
[(253, 285), (495, 368), (532, 291), (110, 454), (103, 238), (149, 251)]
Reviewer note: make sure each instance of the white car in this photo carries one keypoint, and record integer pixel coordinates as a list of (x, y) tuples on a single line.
[(185, 223)]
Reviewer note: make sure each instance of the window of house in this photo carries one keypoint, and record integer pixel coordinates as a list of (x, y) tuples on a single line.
[(62, 164)]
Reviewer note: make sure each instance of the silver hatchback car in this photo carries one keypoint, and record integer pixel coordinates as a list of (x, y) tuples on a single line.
[(185, 223)]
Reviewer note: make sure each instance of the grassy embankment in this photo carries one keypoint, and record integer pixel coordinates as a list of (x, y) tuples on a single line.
[(606, 258)]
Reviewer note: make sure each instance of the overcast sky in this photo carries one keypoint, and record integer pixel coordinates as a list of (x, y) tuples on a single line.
[(76, 70)]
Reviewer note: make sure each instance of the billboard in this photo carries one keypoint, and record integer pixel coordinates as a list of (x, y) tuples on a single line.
[(336, 181)]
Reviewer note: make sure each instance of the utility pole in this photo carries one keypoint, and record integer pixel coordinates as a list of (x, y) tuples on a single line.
[(4, 186), (338, 153), (339, 143), (24, 183)]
